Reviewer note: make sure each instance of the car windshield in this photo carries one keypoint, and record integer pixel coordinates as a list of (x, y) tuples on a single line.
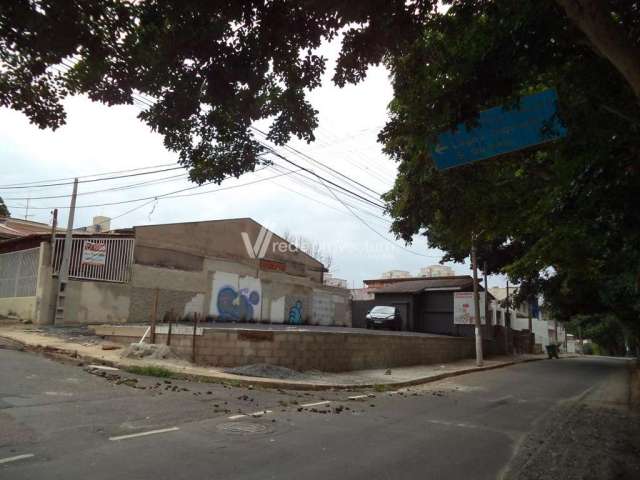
[(383, 310)]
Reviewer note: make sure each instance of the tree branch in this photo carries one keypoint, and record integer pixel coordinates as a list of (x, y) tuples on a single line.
[(607, 37)]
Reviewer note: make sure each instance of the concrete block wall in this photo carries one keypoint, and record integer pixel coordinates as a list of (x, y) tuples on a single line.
[(324, 351)]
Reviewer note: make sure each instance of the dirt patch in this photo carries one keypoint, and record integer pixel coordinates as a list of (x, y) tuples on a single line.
[(267, 371), (580, 442)]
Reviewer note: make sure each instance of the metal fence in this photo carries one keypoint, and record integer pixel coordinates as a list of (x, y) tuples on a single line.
[(19, 273), (106, 259)]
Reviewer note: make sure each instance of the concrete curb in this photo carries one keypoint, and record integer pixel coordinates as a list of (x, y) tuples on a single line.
[(71, 354)]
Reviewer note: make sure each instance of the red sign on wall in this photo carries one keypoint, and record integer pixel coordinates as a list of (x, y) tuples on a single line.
[(272, 265)]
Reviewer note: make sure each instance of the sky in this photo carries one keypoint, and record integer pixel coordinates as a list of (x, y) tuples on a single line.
[(98, 139)]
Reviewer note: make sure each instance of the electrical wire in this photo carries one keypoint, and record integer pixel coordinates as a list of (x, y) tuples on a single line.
[(113, 189), (88, 176), (93, 180)]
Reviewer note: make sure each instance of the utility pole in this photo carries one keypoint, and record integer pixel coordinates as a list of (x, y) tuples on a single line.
[(476, 304), (530, 314), (63, 274), (26, 211), (54, 228), (487, 318), (507, 323)]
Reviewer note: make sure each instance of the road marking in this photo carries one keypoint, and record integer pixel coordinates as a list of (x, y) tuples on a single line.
[(17, 457), (260, 413), (453, 424), (144, 434), (254, 414), (315, 404), (103, 367), (360, 397)]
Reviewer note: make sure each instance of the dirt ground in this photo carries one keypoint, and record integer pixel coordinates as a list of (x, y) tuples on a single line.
[(582, 440)]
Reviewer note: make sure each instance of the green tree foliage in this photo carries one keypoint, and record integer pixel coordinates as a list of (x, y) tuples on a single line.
[(213, 67), (4, 211), (606, 331), (561, 218), (558, 218)]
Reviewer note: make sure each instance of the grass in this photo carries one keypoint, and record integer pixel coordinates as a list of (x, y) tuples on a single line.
[(150, 371), (379, 387)]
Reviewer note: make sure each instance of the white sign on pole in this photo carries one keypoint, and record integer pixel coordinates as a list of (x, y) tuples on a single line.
[(94, 253), (464, 309)]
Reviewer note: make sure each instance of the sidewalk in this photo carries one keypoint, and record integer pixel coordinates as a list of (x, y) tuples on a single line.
[(28, 338)]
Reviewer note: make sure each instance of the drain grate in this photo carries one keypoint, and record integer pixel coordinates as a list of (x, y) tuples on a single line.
[(242, 427)]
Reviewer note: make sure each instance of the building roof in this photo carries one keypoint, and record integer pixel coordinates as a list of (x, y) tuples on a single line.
[(18, 228), (426, 284)]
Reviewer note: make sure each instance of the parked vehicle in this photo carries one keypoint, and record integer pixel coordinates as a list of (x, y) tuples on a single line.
[(384, 317)]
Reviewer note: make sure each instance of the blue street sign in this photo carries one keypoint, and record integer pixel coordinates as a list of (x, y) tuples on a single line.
[(501, 131)]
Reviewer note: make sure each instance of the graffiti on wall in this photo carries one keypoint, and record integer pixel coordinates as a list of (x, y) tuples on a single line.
[(236, 304), (295, 313)]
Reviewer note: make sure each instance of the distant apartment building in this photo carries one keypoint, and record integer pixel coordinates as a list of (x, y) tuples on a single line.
[(436, 271), (332, 281), (396, 274)]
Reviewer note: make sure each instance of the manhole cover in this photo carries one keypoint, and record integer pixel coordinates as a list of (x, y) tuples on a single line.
[(242, 427)]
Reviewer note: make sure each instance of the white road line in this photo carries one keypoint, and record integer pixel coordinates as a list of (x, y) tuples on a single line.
[(260, 413), (103, 367), (144, 434), (358, 397), (235, 417), (452, 424), (17, 457), (316, 404)]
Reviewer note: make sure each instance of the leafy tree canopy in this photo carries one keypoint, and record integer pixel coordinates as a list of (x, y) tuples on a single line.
[(4, 211), (560, 219), (213, 68)]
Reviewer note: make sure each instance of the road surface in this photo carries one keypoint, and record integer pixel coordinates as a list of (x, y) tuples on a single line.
[(60, 421)]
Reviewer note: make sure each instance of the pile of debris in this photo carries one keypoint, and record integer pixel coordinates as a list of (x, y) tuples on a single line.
[(149, 351)]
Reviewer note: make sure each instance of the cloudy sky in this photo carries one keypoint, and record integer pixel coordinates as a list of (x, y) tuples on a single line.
[(98, 139)]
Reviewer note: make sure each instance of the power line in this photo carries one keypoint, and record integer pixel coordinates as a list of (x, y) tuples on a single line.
[(88, 176), (93, 180), (112, 189), (153, 197), (149, 104), (311, 183), (308, 157), (350, 192), (378, 233), (381, 219), (171, 195)]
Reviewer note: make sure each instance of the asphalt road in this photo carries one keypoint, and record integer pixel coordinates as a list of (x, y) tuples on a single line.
[(58, 421)]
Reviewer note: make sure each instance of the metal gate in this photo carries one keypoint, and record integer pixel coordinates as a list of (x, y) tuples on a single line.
[(106, 259), (19, 273)]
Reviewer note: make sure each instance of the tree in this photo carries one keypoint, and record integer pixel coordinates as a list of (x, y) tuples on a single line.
[(214, 68), (4, 211), (311, 248), (605, 30), (557, 218), (211, 68)]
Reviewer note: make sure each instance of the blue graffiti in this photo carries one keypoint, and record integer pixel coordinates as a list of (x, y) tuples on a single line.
[(236, 305), (295, 313)]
